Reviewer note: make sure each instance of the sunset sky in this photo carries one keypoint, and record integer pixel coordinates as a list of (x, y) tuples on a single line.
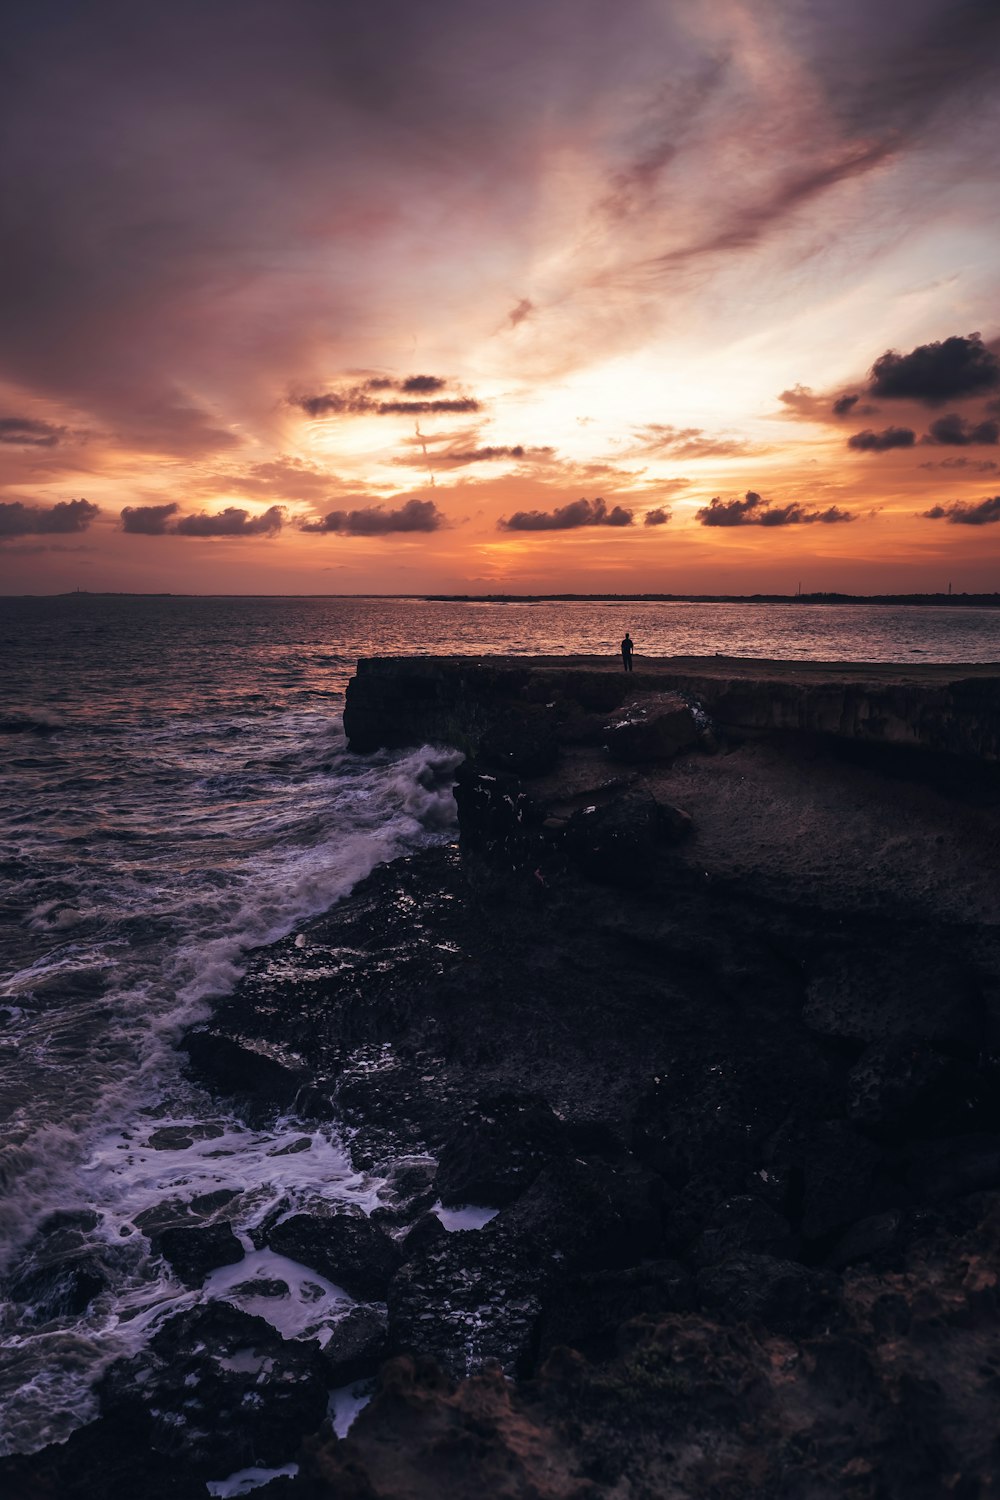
[(316, 296)]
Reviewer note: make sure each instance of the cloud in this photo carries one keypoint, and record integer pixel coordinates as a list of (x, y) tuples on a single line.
[(754, 510), (658, 517), (965, 513), (520, 312), (881, 442), (978, 466), (567, 517), (231, 522), (28, 433), (148, 520), (936, 373), (687, 442), (843, 404), (17, 519), (459, 457), (374, 520), (954, 431), (359, 400)]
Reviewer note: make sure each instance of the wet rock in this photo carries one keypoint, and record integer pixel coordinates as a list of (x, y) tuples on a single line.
[(193, 1252), (654, 727), (781, 1294), (219, 1390), (498, 1150), (892, 988), (255, 1072), (425, 1231), (61, 1286), (109, 1459), (743, 1226), (357, 1345), (345, 1248), (590, 1215)]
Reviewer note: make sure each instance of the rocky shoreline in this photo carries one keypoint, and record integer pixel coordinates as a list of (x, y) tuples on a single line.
[(705, 1007)]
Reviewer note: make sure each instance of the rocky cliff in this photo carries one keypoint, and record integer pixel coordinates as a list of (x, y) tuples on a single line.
[(494, 703)]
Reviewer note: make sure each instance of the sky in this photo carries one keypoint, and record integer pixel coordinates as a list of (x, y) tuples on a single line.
[(316, 296)]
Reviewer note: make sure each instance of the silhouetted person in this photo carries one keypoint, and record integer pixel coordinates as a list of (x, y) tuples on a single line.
[(627, 652)]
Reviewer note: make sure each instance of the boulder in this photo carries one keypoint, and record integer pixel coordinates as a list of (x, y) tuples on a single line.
[(904, 1084), (498, 1150), (587, 1312), (840, 1175), (953, 1167), (346, 1248), (194, 1251), (255, 1071), (616, 842), (654, 727), (219, 1390), (357, 1345)]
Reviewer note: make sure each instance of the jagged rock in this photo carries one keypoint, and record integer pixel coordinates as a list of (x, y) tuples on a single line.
[(219, 1390), (902, 1084), (654, 727), (522, 739), (245, 1070), (842, 1176), (743, 1226), (498, 1150), (357, 1345), (60, 1272), (425, 1231), (591, 1215), (346, 1248), (193, 1252)]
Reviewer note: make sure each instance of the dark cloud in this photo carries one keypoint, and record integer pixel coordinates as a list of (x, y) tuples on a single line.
[(358, 401), (818, 406), (844, 404), (375, 520), (148, 520), (29, 433), (954, 431), (754, 510), (17, 519), (965, 513), (881, 442), (658, 517), (687, 442), (231, 522), (567, 517), (936, 373), (422, 385), (458, 457), (520, 312)]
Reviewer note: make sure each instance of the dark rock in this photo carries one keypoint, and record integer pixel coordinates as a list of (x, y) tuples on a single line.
[(345, 1248), (743, 1226), (357, 1345), (523, 740), (587, 1312), (220, 1391), (781, 1294), (425, 1231), (61, 1287), (654, 727), (874, 1239), (891, 989), (902, 1084), (591, 1215), (950, 1168), (193, 1252), (840, 1174), (242, 1069), (498, 1150), (109, 1459), (616, 842)]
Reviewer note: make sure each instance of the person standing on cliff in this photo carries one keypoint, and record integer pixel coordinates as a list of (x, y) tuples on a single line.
[(627, 652)]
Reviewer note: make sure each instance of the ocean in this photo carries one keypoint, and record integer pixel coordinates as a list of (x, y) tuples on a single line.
[(176, 792)]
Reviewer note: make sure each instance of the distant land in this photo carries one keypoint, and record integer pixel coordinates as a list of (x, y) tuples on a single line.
[(989, 601)]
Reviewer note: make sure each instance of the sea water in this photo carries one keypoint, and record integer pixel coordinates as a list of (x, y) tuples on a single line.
[(175, 790)]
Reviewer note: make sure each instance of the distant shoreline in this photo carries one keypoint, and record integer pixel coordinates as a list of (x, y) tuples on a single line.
[(976, 601)]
